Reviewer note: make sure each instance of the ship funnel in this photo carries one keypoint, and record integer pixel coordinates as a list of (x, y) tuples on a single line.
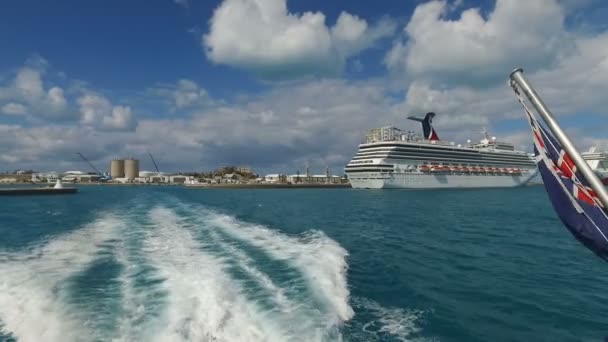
[(427, 126)]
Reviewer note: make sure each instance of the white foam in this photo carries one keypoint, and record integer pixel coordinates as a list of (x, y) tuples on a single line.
[(320, 259), (204, 303), (399, 323), (133, 301), (31, 307), (248, 265)]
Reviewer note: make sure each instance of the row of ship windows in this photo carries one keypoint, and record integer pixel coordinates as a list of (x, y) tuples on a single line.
[(486, 162), (462, 155), (437, 155), (426, 149), (413, 168)]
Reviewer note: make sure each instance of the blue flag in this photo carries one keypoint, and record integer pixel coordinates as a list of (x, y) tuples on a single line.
[(576, 204)]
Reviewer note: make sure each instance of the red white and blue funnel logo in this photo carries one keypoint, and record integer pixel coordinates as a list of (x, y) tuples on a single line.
[(427, 126)]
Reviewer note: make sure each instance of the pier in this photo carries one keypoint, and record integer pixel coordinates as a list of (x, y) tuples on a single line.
[(37, 191)]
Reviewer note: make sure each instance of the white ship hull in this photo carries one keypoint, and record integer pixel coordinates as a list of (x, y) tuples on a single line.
[(389, 159), (437, 181)]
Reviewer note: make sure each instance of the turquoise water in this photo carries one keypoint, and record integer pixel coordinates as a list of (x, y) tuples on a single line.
[(178, 264)]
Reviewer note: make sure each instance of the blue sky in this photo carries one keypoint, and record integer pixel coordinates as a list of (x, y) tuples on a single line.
[(279, 84), (148, 41)]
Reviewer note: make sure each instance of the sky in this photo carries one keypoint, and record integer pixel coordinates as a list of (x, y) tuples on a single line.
[(279, 85)]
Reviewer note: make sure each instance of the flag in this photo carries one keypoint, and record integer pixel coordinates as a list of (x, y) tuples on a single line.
[(574, 201)]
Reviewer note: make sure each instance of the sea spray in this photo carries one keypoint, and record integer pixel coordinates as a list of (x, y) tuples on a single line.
[(203, 303), (33, 305)]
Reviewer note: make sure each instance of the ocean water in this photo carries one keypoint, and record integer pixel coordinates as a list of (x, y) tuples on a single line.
[(179, 264)]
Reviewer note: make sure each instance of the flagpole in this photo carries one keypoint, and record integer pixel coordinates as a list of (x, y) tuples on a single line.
[(517, 76)]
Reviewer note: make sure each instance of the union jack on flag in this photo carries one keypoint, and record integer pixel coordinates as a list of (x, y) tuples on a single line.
[(576, 204)]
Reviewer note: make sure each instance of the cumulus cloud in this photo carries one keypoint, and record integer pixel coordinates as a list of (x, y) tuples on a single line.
[(263, 37), (29, 83), (97, 111), (474, 49), (13, 108), (29, 92), (185, 94), (460, 67), (321, 122)]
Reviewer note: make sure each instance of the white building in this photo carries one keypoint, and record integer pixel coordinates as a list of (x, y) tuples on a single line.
[(272, 178), (80, 177), (48, 177), (244, 169), (181, 179)]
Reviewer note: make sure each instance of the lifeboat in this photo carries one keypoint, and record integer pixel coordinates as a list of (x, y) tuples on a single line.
[(465, 169), (424, 168), (440, 168), (515, 171)]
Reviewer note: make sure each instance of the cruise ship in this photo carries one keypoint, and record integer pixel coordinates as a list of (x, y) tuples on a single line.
[(392, 158), (598, 161)]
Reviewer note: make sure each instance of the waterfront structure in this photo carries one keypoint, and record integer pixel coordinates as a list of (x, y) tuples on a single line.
[(131, 169), (598, 161), (314, 179), (117, 168), (272, 178), (80, 177), (14, 178), (408, 161), (45, 177)]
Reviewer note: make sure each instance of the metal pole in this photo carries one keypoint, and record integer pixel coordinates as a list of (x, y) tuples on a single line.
[(581, 165)]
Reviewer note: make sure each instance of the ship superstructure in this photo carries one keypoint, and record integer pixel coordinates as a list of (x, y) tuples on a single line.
[(598, 161), (392, 158)]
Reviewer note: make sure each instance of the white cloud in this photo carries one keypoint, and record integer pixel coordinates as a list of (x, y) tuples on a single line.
[(185, 94), (188, 93), (460, 67), (472, 48), (56, 99), (321, 122), (97, 111), (263, 37), (13, 108), (183, 3), (29, 83), (28, 90)]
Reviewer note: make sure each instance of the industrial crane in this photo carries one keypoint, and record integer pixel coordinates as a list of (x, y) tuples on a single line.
[(156, 167), (102, 177)]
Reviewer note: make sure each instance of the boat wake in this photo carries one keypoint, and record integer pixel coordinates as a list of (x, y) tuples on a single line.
[(177, 272), (381, 323)]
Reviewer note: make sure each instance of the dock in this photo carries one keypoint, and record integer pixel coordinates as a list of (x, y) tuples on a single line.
[(36, 191)]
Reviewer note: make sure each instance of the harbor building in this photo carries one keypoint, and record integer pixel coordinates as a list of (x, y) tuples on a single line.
[(80, 177), (244, 169), (45, 177)]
